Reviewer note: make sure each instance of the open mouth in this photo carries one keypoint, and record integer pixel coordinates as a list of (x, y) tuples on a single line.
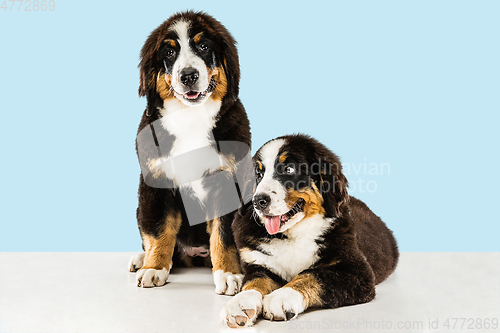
[(273, 223), (194, 96)]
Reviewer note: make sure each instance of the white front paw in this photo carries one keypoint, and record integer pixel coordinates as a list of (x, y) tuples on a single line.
[(227, 283), (283, 304), (136, 262), (242, 310), (150, 277)]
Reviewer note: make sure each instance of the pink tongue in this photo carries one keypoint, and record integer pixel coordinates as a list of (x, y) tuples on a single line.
[(272, 224), (192, 95)]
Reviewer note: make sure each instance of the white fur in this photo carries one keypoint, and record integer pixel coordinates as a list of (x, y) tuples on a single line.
[(136, 262), (147, 278), (268, 185), (227, 283), (288, 257), (192, 127), (246, 300), (187, 58), (281, 301)]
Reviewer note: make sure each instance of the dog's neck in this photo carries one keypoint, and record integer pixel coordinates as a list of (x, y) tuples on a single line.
[(190, 122)]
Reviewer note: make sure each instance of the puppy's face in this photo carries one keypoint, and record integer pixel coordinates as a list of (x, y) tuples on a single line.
[(297, 178), (190, 57)]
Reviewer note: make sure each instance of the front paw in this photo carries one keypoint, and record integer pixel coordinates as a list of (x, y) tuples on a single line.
[(227, 283), (136, 262), (242, 310), (150, 277), (283, 304)]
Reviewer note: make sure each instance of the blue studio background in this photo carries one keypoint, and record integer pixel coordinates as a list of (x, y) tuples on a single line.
[(405, 92)]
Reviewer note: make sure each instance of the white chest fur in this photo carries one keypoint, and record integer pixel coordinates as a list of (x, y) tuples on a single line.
[(192, 128), (288, 257)]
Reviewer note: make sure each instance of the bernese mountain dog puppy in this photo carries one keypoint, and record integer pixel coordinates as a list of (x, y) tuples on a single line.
[(303, 241), (191, 137)]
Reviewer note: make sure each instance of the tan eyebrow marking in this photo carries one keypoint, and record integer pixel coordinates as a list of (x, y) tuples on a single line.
[(283, 157), (197, 37), (170, 41), (260, 165)]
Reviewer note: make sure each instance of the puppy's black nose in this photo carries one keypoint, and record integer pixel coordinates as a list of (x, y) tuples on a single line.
[(261, 201), (189, 76)]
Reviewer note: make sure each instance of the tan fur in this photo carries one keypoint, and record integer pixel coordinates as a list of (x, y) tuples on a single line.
[(283, 157), (170, 41), (159, 250), (259, 165), (312, 197), (308, 287), (163, 86), (265, 285), (220, 83), (223, 258), (197, 37)]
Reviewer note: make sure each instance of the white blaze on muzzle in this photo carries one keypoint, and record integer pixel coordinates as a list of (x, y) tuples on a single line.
[(187, 59), (268, 185)]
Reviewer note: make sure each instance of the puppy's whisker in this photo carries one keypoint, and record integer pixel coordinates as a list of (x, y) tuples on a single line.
[(255, 218)]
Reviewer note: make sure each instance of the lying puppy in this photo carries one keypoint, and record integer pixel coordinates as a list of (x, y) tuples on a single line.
[(191, 136), (305, 242)]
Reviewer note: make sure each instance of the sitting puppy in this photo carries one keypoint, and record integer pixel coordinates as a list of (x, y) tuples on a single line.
[(305, 242), (191, 137)]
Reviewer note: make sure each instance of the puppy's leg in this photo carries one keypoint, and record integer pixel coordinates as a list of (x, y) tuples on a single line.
[(332, 286), (158, 253), (225, 258), (244, 308), (159, 221)]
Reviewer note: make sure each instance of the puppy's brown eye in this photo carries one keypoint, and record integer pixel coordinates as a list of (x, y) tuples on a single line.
[(258, 173), (203, 47), (170, 53), (289, 170)]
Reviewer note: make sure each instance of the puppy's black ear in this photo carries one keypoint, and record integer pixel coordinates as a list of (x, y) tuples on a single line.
[(231, 66), (146, 65), (333, 185), (146, 78)]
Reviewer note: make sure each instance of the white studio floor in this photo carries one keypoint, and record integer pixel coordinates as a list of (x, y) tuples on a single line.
[(94, 292)]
